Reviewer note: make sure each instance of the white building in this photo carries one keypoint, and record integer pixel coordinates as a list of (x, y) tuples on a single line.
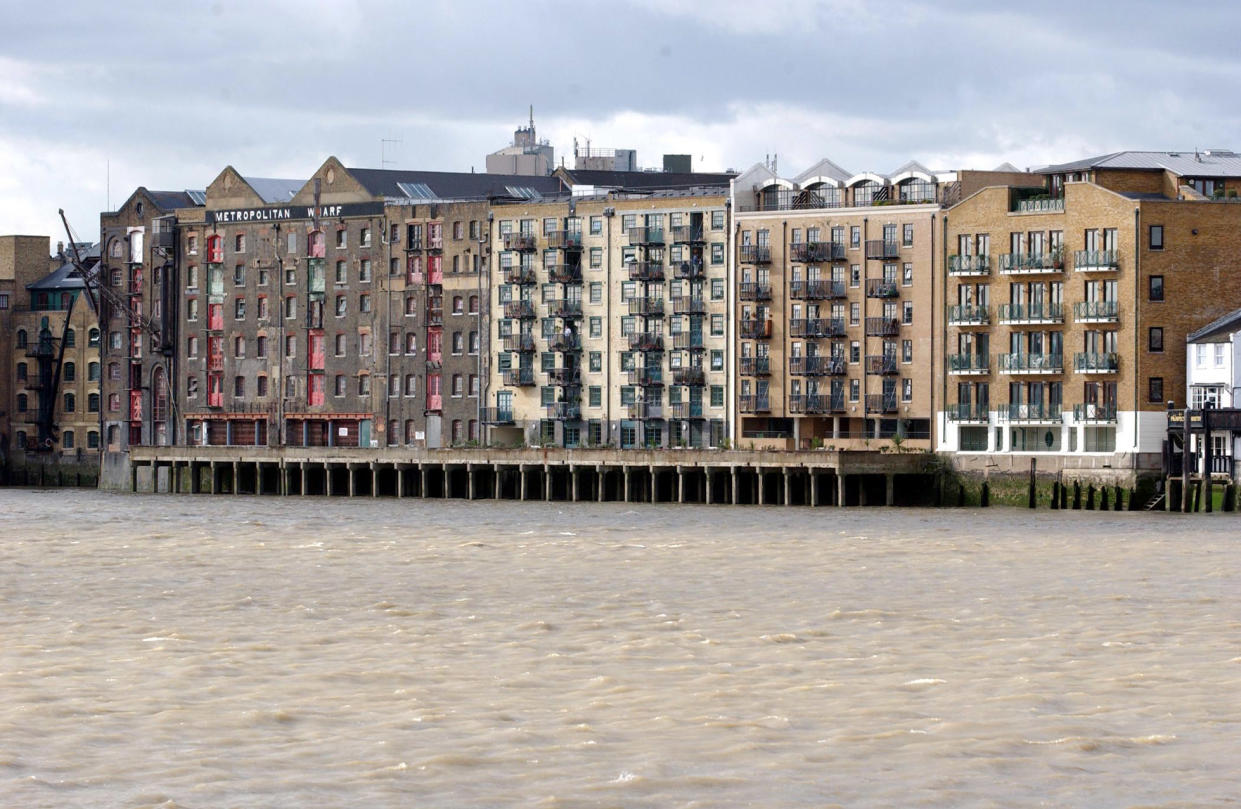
[(1213, 377)]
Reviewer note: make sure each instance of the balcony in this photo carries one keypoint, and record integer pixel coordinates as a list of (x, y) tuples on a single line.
[(967, 364), (754, 254), (519, 377), (523, 242), (881, 402), (756, 366), (565, 411), (1030, 263), (522, 310), (568, 309), (647, 376), (646, 341), (817, 366), (1096, 311), (435, 316), (881, 288), (969, 265), (968, 315), (520, 274), (880, 364), (1095, 413), (523, 343), (1090, 362), (688, 305), (750, 291), (882, 326), (646, 235), (1031, 313), (879, 249), (689, 376), (646, 307), (1039, 206), (688, 341), (975, 412), (687, 234), (646, 271), (749, 403), (816, 252), (1035, 413), (684, 410), (646, 410), (1031, 364), (814, 403), (564, 377), (564, 240), (817, 327), (565, 343), (816, 290), (691, 270), (1095, 261), (564, 273), (755, 329), (494, 415)]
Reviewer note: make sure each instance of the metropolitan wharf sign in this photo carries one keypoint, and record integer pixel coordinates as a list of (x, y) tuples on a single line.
[(289, 213)]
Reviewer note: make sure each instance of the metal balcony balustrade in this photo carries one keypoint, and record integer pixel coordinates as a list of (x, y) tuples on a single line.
[(564, 240), (494, 415), (754, 254), (969, 364), (815, 403), (564, 273), (1099, 413), (969, 315), (646, 271), (755, 366), (1031, 263), (1034, 412), (688, 341), (688, 305), (817, 327), (646, 410), (565, 411), (1031, 313), (880, 364), (435, 317), (1031, 364), (647, 376), (968, 411), (788, 199), (1092, 362), (753, 329), (752, 291), (816, 252), (1096, 260), (880, 288), (562, 342), (564, 377), (522, 310), (523, 343), (564, 308), (816, 290), (882, 326), (687, 234), (691, 270), (1096, 311), (751, 403), (646, 307), (646, 341), (880, 249), (1038, 206), (818, 365), (969, 265), (520, 274), (689, 376), (644, 234), (518, 377), (881, 403), (524, 242), (686, 410)]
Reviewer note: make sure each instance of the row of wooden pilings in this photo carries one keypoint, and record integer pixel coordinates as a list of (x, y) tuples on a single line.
[(738, 485)]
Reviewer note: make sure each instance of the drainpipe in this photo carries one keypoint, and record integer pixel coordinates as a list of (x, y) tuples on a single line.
[(784, 342), (865, 342), (608, 213), (943, 377), (1137, 319)]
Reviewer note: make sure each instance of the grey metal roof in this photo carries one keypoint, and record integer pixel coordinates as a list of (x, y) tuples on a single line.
[(1225, 325), (451, 185), (273, 189), (1209, 163), (647, 179), (172, 200)]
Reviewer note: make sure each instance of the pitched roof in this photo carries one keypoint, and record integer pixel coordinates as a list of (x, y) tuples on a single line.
[(172, 200), (430, 186), (274, 190), (647, 179), (1210, 163), (1220, 327)]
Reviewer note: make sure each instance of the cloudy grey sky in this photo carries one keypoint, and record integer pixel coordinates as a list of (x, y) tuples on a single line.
[(170, 93)]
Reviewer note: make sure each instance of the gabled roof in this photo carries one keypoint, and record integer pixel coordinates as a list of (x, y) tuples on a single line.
[(1210, 163), (824, 168), (274, 190), (66, 275), (172, 200), (1221, 327), (430, 186), (647, 179)]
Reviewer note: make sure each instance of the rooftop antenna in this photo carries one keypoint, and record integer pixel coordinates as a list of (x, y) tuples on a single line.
[(531, 117), (383, 144)]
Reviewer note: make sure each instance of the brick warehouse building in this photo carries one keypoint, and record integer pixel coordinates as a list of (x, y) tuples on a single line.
[(1070, 295)]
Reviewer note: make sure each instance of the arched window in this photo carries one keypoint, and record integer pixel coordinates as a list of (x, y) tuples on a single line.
[(66, 439), (71, 338), (92, 372), (21, 439), (70, 372), (23, 403), (113, 432), (21, 372), (92, 439), (93, 340), (866, 192), (92, 403), (71, 403), (21, 338)]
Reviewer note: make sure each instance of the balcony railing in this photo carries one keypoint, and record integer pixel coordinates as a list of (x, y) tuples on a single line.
[(1031, 364), (564, 273), (689, 376), (523, 310), (816, 252), (1096, 311), (560, 341), (1096, 260), (817, 327), (812, 403), (969, 364), (688, 341), (523, 343), (1030, 263), (494, 415), (564, 240), (879, 249), (564, 377), (647, 376), (881, 403), (646, 307), (646, 271), (1101, 413), (520, 241), (1031, 313), (969, 265), (756, 329), (879, 288), (1034, 412), (646, 341), (691, 270), (565, 308), (565, 411), (968, 411), (968, 315), (756, 366), (751, 403), (816, 290), (687, 234), (519, 377), (754, 254), (1091, 362), (688, 305), (882, 326), (880, 364), (818, 365), (1039, 206), (519, 274), (646, 235), (686, 410), (646, 410), (751, 291)]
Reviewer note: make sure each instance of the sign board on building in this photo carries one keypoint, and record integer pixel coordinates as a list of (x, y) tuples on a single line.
[(289, 213)]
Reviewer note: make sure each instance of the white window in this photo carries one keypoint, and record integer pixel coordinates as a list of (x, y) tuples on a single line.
[(1219, 355)]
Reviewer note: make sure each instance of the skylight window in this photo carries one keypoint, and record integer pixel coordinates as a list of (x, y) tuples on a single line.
[(416, 190)]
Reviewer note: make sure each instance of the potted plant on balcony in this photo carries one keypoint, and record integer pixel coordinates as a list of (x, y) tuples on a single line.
[(1057, 258)]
